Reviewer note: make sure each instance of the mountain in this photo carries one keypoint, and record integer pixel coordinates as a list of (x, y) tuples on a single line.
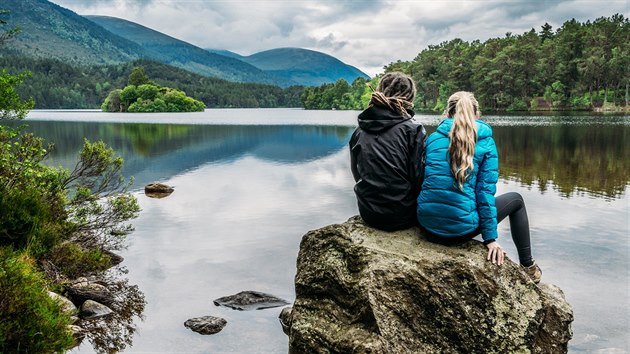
[(51, 31), (178, 53), (225, 53), (303, 66)]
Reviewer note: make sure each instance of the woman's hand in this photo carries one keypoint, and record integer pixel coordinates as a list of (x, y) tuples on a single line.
[(495, 253)]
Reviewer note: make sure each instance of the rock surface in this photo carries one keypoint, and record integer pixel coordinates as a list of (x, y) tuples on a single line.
[(250, 300), (360, 290), (286, 319), (206, 324), (83, 289), (92, 309), (158, 190), (66, 305)]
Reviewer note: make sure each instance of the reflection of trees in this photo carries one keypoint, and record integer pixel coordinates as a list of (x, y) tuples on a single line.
[(590, 158), (114, 332)]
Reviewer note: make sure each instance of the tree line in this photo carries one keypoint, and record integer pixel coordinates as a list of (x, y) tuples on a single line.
[(54, 84), (578, 66)]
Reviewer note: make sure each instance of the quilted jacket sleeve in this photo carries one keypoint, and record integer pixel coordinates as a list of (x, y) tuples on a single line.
[(487, 178)]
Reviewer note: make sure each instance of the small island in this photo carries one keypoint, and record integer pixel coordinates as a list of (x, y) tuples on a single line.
[(142, 95)]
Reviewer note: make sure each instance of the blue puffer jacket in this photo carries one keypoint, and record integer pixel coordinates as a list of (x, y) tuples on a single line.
[(443, 208)]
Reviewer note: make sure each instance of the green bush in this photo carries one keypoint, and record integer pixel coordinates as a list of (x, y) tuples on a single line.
[(581, 102), (517, 105), (74, 261), (112, 102), (149, 97), (31, 321), (31, 199), (148, 91)]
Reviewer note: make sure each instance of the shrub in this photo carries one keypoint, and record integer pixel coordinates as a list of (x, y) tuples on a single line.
[(112, 102), (31, 321), (517, 105), (74, 261)]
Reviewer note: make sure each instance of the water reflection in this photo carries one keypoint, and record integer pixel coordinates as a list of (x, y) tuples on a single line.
[(153, 152), (114, 333), (569, 158)]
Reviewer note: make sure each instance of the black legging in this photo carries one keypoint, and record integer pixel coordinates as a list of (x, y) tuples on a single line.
[(511, 204)]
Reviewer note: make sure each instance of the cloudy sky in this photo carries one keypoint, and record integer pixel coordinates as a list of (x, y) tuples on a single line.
[(367, 34)]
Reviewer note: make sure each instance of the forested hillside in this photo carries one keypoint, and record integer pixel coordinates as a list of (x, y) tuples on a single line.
[(51, 31), (172, 51), (55, 84), (581, 66)]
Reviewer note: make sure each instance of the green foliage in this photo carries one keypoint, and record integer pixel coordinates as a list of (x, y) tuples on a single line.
[(55, 84), (564, 65), (149, 97), (11, 104), (99, 205), (31, 321), (113, 102), (138, 77), (75, 261), (555, 94), (33, 215), (128, 95), (148, 91), (339, 95), (517, 105)]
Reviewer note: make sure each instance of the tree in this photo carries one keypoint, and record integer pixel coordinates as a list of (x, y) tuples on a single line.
[(11, 104), (138, 77)]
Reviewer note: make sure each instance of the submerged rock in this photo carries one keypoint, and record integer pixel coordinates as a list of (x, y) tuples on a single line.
[(360, 290), (92, 309), (206, 324), (285, 319), (250, 300), (158, 190)]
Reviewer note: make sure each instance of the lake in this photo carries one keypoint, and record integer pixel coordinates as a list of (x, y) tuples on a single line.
[(250, 182)]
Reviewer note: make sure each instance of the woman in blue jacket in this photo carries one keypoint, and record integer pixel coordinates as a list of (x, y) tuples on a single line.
[(457, 202)]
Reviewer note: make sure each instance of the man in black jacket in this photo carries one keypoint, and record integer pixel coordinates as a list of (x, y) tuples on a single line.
[(386, 153)]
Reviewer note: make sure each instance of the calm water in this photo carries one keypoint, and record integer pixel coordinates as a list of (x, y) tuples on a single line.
[(250, 183)]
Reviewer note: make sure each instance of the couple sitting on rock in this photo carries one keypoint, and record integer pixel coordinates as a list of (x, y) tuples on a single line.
[(445, 183)]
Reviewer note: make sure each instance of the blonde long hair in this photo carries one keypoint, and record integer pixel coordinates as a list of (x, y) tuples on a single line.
[(463, 108)]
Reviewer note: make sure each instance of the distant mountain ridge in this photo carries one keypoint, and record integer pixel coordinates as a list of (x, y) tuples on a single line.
[(51, 31), (169, 50), (308, 67)]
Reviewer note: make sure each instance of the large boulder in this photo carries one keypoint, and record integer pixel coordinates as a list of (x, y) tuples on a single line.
[(360, 290)]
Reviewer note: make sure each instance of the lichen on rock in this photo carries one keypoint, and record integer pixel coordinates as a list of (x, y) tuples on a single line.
[(361, 290)]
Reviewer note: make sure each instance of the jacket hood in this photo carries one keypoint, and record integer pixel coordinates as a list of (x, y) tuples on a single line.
[(483, 129), (376, 119)]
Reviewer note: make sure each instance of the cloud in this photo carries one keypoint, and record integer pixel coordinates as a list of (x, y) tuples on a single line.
[(366, 34)]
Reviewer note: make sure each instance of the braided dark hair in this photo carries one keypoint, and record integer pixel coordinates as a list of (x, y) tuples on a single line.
[(396, 91)]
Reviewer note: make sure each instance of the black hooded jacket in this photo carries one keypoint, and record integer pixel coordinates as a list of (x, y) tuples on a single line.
[(386, 153)]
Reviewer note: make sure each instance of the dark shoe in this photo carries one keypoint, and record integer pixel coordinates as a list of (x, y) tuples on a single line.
[(534, 272)]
